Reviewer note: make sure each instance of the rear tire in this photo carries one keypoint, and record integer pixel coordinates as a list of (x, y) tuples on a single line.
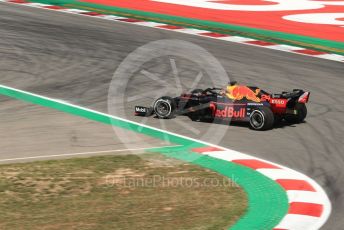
[(261, 119), (301, 110), (164, 107)]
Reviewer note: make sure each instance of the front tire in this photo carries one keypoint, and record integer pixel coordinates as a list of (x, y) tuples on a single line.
[(164, 107), (262, 119)]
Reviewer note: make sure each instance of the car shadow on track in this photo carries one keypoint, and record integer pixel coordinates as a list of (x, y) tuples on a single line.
[(278, 124)]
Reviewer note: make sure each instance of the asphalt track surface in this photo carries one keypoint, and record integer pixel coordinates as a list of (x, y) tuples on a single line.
[(31, 132), (73, 58)]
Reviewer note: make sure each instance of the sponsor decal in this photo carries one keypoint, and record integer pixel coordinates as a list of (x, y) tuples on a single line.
[(278, 101), (255, 104), (265, 97), (278, 105), (239, 92), (230, 112), (140, 109)]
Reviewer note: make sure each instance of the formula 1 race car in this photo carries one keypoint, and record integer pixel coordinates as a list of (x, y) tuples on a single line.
[(235, 103)]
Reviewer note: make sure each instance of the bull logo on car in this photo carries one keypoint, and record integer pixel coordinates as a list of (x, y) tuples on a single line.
[(238, 92)]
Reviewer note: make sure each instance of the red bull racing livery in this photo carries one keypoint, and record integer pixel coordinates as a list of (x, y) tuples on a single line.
[(236, 103)]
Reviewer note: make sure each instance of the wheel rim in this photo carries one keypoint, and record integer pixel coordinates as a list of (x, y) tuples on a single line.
[(257, 119), (163, 108)]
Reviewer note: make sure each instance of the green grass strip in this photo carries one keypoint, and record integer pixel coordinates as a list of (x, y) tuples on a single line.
[(255, 33), (267, 201)]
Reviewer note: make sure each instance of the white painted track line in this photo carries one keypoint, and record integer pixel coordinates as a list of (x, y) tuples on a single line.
[(83, 153)]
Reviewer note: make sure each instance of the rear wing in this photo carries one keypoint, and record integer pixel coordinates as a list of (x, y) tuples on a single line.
[(296, 95), (304, 97)]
